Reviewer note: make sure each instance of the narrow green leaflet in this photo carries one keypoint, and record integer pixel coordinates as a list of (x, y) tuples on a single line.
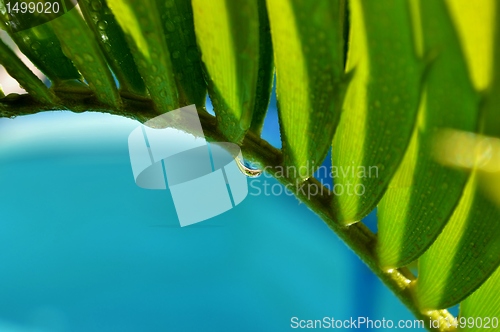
[(266, 70), (18, 70), (308, 50), (464, 255), (380, 109), (474, 22), (142, 25), (178, 26), (112, 42), (228, 36), (491, 125), (42, 47), (468, 250), (482, 308), (79, 44), (423, 193)]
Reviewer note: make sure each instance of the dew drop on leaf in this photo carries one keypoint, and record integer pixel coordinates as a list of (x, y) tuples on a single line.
[(96, 5), (102, 25)]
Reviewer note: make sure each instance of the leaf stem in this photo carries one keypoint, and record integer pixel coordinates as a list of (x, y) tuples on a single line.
[(357, 236)]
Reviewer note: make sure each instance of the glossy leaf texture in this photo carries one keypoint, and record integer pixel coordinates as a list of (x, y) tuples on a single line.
[(235, 58), (143, 28), (464, 255), (482, 307), (111, 40), (178, 27), (424, 193), (266, 70), (18, 70), (467, 251), (42, 47), (380, 108), (78, 44), (308, 41)]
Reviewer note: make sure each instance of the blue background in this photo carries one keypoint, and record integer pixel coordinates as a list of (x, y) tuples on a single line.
[(82, 248)]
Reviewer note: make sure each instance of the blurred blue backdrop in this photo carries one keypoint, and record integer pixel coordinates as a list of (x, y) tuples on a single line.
[(82, 248)]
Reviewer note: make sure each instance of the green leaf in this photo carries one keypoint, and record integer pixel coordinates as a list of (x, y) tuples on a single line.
[(483, 304), (79, 45), (142, 25), (266, 70), (474, 22), (178, 25), (468, 250), (308, 50), (424, 193), (464, 255), (228, 35), (380, 107), (112, 42), (42, 47), (18, 70)]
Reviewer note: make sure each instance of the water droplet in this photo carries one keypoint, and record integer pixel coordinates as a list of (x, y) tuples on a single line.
[(177, 19), (377, 103), (95, 16), (102, 25), (169, 3), (35, 45), (154, 68), (250, 172), (176, 54), (96, 5), (98, 82)]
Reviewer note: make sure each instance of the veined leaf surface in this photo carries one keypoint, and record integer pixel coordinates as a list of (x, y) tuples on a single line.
[(111, 39), (423, 194), (483, 305), (178, 27), (380, 108), (79, 45), (142, 26), (235, 59), (308, 46), (467, 252)]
